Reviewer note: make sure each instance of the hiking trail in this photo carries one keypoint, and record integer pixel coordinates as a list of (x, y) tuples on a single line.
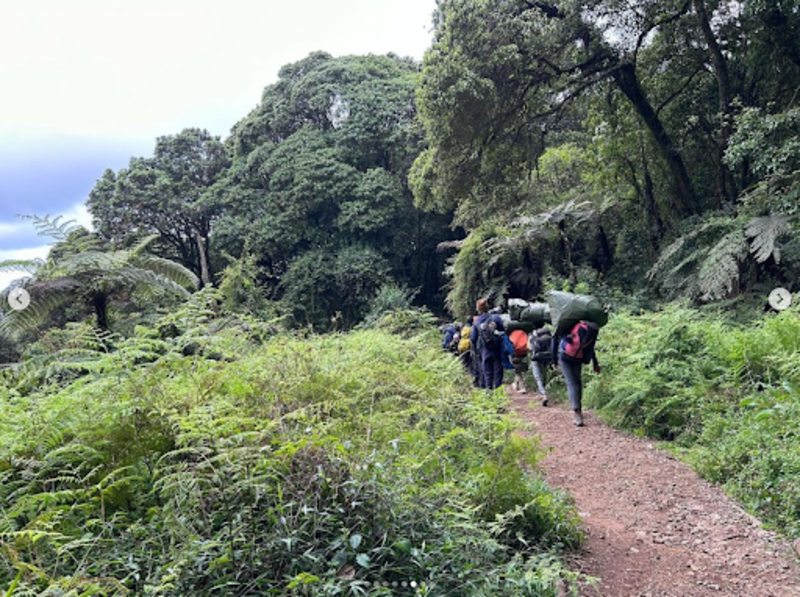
[(653, 527)]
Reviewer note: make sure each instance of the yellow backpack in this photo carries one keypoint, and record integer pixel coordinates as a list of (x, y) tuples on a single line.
[(464, 344)]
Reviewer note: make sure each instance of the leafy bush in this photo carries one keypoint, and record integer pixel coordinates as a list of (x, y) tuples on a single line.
[(390, 297)]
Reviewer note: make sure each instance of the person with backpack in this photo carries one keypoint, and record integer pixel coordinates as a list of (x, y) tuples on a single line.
[(541, 358), (519, 358), (487, 337), (466, 351), (573, 351), (451, 336)]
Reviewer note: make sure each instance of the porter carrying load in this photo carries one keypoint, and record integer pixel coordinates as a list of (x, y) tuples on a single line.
[(567, 309)]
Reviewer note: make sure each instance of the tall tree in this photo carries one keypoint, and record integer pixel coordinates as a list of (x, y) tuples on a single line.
[(171, 194), (318, 187), (503, 76)]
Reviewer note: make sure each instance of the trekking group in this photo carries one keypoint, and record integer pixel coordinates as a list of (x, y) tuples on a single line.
[(491, 342)]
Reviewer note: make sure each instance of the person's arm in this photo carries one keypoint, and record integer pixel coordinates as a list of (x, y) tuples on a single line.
[(595, 363), (554, 348)]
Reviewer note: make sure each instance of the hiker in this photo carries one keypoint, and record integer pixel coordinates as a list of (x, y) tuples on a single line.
[(451, 335), (541, 340), (486, 336), (519, 358), (466, 351), (572, 351)]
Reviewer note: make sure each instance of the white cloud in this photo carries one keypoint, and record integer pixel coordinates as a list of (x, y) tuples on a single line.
[(80, 215)]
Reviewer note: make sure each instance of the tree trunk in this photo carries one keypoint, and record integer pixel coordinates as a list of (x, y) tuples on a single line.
[(573, 272), (100, 304), (606, 257), (725, 184), (202, 251), (628, 83), (650, 198)]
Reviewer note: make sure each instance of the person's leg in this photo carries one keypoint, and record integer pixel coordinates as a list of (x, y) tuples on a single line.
[(519, 383), (572, 375), (475, 368), (539, 375), (494, 368), (499, 373), (520, 366), (487, 371)]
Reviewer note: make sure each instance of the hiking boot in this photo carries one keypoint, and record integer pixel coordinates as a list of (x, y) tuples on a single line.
[(544, 401), (578, 419)]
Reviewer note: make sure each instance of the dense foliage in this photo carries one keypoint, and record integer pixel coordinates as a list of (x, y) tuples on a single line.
[(311, 184), (670, 126), (267, 464)]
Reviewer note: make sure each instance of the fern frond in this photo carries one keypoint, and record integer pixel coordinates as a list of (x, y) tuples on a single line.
[(764, 232), (46, 297), (28, 266), (148, 282), (169, 269), (671, 250), (90, 261), (142, 244), (54, 228), (720, 270)]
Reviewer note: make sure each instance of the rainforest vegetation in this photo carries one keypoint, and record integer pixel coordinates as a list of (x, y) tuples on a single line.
[(233, 384)]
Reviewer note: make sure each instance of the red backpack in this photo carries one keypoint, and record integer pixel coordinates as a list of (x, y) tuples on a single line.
[(578, 345), (520, 341)]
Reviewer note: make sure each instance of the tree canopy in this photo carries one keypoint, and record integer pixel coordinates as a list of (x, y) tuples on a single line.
[(657, 103)]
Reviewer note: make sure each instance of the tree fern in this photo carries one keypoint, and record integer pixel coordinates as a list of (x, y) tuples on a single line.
[(77, 270), (764, 233), (719, 271), (687, 266), (706, 262), (28, 266)]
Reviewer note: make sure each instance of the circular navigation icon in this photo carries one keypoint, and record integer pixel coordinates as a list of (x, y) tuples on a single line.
[(19, 299), (780, 299)]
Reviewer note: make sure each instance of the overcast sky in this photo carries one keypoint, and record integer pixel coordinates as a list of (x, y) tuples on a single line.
[(86, 84)]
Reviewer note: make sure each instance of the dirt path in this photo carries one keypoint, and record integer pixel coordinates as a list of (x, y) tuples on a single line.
[(654, 528)]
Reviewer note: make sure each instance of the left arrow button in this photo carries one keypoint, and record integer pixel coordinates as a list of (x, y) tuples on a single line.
[(19, 299)]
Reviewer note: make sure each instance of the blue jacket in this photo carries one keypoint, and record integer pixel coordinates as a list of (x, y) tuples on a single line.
[(507, 352)]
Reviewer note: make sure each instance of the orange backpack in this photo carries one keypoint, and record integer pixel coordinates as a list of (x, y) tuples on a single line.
[(520, 341)]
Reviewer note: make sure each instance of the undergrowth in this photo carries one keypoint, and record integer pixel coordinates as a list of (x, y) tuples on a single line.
[(727, 394), (266, 464)]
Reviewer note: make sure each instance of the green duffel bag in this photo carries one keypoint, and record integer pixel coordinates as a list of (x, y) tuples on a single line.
[(515, 307), (513, 324), (567, 309), (536, 313)]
